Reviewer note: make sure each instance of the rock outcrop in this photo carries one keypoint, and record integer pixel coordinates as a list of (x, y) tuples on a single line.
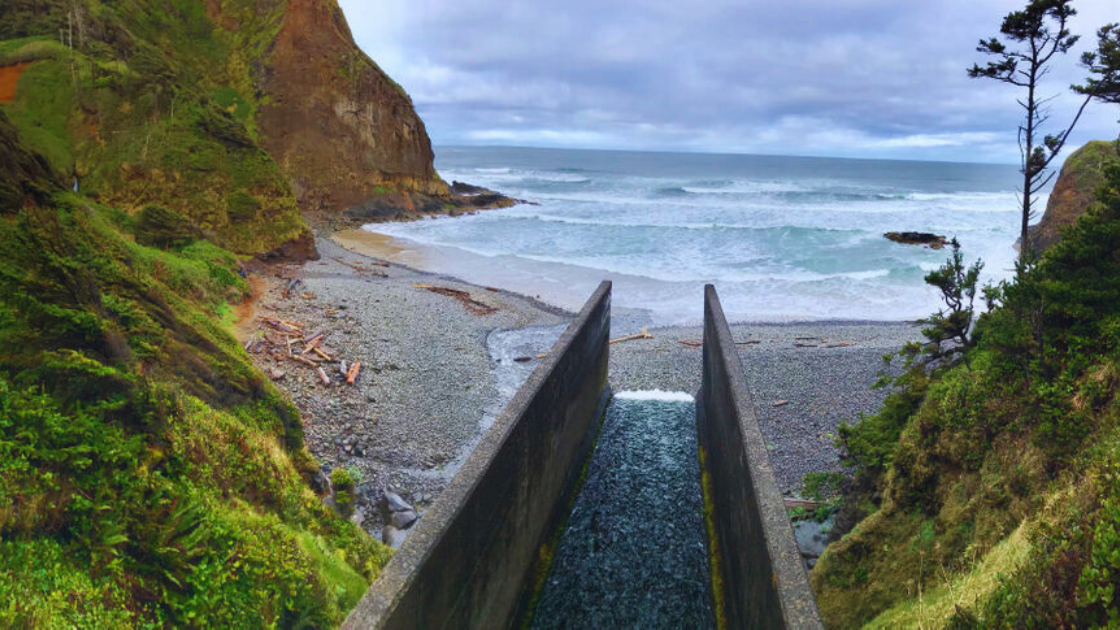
[(1081, 175), (932, 241), (343, 131)]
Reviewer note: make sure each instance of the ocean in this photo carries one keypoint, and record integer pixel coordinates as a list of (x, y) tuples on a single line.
[(782, 238)]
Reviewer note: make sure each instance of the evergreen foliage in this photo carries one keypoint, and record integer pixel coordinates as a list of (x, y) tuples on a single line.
[(1021, 429)]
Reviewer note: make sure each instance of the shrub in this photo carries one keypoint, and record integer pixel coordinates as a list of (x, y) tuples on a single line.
[(157, 226)]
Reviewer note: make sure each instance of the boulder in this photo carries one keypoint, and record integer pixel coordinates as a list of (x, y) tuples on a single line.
[(392, 536), (403, 519), (932, 241), (463, 188)]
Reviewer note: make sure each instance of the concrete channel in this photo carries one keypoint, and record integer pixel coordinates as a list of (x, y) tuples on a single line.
[(483, 555)]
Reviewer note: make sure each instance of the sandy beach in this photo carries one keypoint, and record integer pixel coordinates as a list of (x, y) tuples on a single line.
[(439, 366)]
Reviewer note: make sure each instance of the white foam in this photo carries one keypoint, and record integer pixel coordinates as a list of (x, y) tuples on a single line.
[(654, 394)]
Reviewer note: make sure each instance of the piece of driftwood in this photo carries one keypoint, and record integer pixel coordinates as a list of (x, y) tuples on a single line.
[(343, 367), (842, 344), (692, 344), (352, 374), (323, 377), (282, 326), (468, 302), (781, 403), (749, 342), (360, 269), (645, 334), (312, 343), (805, 345), (304, 360), (802, 503), (326, 357)]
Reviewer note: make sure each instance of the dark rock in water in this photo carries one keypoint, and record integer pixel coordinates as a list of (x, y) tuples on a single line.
[(522, 359), (392, 536), (463, 188), (932, 241)]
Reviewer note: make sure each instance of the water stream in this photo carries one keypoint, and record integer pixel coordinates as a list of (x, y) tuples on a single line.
[(633, 553)]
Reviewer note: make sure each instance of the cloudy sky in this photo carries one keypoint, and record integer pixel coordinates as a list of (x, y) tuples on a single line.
[(860, 78)]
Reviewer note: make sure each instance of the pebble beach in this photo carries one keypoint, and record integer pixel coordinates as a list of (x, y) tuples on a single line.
[(440, 358)]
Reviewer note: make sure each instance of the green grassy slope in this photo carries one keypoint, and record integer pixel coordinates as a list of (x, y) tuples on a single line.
[(151, 102), (999, 476), (149, 474)]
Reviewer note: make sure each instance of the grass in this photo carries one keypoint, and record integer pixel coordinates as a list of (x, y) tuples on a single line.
[(934, 607)]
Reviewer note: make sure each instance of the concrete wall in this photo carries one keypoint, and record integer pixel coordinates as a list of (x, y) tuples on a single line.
[(465, 565), (765, 585)]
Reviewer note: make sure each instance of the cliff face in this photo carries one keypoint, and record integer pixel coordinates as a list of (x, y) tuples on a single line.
[(341, 129), (1081, 175)]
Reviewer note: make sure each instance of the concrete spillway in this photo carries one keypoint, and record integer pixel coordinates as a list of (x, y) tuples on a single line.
[(513, 540), (633, 552)]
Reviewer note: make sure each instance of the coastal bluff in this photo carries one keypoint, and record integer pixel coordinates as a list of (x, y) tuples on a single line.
[(1081, 175), (340, 128)]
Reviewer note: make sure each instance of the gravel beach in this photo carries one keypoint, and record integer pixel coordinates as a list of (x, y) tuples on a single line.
[(437, 367)]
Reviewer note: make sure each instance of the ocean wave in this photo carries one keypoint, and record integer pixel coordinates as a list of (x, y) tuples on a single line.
[(493, 171), (742, 188), (551, 218), (564, 178)]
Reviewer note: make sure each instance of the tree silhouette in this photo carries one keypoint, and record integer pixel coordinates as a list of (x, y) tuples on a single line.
[(1034, 35)]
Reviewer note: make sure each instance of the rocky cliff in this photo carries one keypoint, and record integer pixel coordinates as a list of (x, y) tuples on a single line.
[(1081, 175), (237, 114), (341, 129)]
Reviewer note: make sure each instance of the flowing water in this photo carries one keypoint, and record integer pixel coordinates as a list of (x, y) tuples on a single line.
[(633, 553), (784, 238)]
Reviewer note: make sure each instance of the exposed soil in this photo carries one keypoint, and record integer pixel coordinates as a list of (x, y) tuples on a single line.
[(9, 76)]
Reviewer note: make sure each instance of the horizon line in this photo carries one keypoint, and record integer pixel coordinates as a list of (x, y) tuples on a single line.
[(718, 153)]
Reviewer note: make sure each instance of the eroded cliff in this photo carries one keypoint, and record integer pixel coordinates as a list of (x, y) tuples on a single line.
[(343, 131), (1081, 175)]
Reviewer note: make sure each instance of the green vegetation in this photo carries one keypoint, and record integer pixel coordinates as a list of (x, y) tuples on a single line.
[(154, 104), (997, 467), (149, 474)]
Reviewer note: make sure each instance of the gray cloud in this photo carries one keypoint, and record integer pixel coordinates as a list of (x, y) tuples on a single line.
[(867, 78)]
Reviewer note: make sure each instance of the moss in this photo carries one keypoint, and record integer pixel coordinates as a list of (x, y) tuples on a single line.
[(715, 565), (158, 106), (138, 441), (42, 112)]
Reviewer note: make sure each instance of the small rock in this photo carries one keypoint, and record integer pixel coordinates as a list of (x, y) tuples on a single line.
[(403, 519), (276, 375), (392, 502), (392, 536)]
